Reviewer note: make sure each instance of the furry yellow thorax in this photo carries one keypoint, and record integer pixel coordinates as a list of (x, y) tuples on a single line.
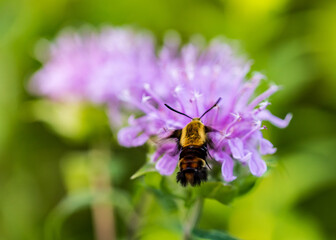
[(193, 134)]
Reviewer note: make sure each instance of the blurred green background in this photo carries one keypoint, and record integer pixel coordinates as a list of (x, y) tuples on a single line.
[(46, 149)]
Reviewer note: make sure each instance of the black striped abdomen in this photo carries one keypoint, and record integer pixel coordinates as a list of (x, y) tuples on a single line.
[(194, 151), (192, 165)]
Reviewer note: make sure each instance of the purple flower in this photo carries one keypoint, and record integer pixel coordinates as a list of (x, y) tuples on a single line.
[(191, 80), (120, 65), (96, 66)]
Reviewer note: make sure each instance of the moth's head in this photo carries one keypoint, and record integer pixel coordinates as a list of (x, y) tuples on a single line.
[(196, 120)]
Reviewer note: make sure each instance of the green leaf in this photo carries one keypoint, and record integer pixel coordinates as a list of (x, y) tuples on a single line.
[(152, 182), (218, 191), (63, 210), (164, 199), (82, 200), (147, 168), (245, 184), (121, 200), (212, 234)]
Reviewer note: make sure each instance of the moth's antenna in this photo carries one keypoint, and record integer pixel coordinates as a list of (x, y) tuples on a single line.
[(219, 99), (177, 111)]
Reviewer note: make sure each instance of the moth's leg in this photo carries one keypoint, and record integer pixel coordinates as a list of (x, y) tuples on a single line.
[(205, 149)]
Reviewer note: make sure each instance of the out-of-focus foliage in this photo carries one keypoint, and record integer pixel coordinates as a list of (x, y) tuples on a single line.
[(51, 154)]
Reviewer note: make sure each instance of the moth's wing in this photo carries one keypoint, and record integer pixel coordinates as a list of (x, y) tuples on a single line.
[(171, 138), (212, 134), (176, 134), (210, 129)]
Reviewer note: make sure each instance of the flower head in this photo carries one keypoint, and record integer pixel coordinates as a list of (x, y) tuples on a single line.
[(96, 66), (120, 65), (191, 80)]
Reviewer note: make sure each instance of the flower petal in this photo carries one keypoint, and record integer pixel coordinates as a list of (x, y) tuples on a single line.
[(237, 149), (247, 157), (263, 96), (164, 148), (167, 164), (257, 165), (132, 136), (227, 168), (227, 164), (266, 147), (280, 123), (248, 90)]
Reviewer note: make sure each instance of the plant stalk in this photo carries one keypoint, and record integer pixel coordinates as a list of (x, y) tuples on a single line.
[(192, 217), (102, 209)]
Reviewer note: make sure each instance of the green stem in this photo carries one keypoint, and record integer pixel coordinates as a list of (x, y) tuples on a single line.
[(192, 217)]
